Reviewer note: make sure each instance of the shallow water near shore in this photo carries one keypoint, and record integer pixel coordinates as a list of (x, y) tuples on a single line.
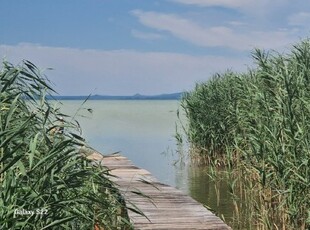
[(144, 131)]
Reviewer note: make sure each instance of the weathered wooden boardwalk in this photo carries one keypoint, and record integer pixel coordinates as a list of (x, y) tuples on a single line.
[(166, 207)]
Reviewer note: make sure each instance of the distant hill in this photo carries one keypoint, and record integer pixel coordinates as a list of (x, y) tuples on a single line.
[(171, 96)]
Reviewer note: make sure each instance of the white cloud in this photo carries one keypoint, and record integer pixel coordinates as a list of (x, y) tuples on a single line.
[(215, 36), (257, 7), (224, 3), (120, 72), (237, 23), (146, 36)]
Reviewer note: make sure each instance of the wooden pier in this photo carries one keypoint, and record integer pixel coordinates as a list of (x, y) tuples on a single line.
[(166, 207)]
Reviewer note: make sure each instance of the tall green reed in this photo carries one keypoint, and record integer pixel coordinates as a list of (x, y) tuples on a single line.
[(259, 121), (42, 172)]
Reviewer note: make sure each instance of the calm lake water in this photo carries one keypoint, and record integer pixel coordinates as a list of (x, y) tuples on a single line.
[(144, 131)]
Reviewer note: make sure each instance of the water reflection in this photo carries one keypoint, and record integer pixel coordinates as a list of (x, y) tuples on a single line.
[(212, 193), (211, 187)]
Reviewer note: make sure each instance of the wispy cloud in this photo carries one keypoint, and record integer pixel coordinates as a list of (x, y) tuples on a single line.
[(121, 72), (214, 36), (224, 3), (146, 36), (237, 23), (250, 6)]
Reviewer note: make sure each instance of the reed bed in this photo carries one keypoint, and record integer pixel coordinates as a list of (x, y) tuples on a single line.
[(257, 125), (45, 183)]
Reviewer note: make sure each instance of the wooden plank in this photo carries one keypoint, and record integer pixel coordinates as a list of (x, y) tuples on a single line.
[(165, 206)]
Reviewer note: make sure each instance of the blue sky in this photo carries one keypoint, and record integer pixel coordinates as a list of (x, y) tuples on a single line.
[(123, 47)]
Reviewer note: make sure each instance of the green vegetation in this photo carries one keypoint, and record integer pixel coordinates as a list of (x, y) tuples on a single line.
[(45, 182), (257, 126)]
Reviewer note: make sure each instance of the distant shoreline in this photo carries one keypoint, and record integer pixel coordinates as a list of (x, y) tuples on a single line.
[(172, 96)]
